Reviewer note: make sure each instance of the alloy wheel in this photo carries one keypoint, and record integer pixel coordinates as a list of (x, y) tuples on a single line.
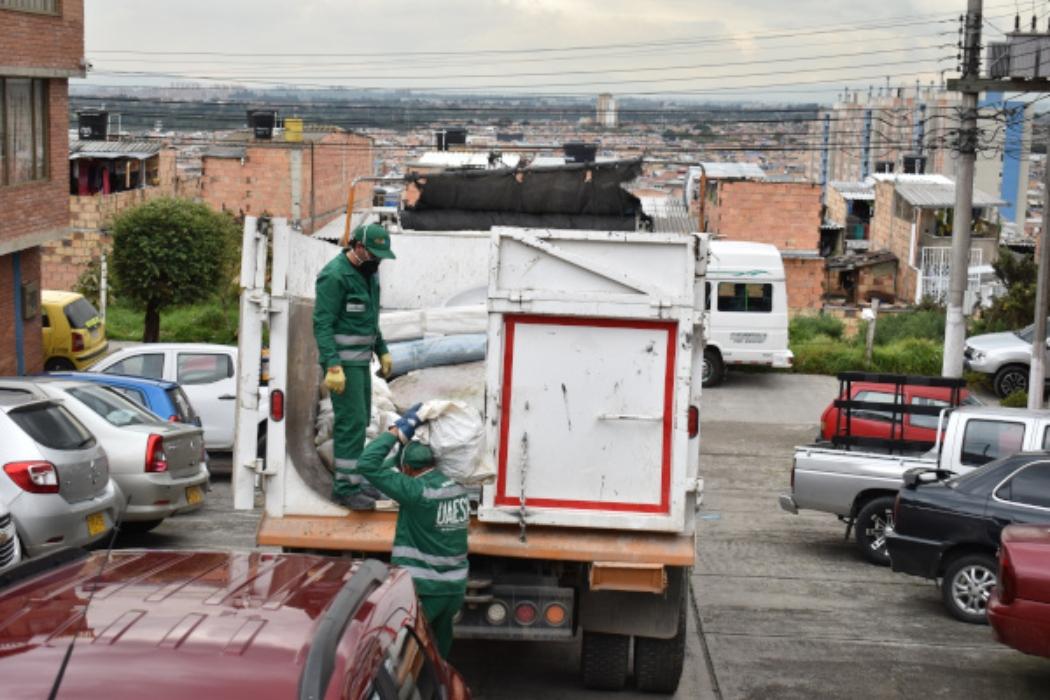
[(972, 587)]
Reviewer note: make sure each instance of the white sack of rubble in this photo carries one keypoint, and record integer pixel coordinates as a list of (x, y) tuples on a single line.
[(464, 383), (455, 432), (419, 323), (383, 415)]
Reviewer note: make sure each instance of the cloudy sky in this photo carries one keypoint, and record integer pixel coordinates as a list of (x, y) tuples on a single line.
[(778, 50)]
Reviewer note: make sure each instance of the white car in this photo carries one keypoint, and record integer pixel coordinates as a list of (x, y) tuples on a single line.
[(160, 466), (206, 372), (10, 550)]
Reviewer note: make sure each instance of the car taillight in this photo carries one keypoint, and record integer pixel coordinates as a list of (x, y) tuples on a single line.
[(34, 477), (277, 405), (525, 613), (78, 342), (555, 615), (173, 419), (694, 421), (1007, 582), (156, 460)]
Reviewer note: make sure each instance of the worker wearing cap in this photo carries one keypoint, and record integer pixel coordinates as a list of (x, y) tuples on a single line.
[(346, 327), (430, 541)]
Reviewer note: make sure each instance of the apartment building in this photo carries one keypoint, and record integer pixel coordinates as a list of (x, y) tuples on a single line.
[(42, 47)]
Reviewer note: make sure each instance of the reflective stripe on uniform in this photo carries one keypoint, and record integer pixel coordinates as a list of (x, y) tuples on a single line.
[(432, 559), (431, 575), (355, 308), (351, 478), (355, 354), (445, 492), (355, 339), (345, 463)]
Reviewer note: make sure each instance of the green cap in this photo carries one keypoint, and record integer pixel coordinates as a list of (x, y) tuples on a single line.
[(375, 239), (416, 455)]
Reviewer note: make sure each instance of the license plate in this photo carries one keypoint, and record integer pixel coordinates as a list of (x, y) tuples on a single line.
[(96, 524), (194, 495)]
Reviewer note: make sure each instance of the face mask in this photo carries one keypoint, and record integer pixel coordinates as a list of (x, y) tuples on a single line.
[(369, 267)]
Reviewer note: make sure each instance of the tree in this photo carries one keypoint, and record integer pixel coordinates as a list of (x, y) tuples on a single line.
[(1016, 308), (170, 252)]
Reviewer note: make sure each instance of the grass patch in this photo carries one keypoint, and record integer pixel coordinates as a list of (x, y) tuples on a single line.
[(206, 322), (802, 329)]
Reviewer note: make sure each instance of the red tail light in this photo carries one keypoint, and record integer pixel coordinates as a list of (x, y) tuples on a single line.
[(156, 460), (277, 405), (525, 613), (694, 421), (1007, 582), (173, 419), (34, 477), (78, 342)]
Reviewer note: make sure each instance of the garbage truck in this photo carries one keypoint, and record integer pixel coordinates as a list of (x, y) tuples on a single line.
[(592, 382)]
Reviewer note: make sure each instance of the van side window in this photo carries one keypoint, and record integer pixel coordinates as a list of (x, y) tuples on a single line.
[(745, 296), (987, 440)]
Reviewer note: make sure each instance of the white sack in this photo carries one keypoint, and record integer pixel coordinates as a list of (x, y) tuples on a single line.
[(455, 432), (419, 323)]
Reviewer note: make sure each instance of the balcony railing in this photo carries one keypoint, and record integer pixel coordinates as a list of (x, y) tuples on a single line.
[(43, 7)]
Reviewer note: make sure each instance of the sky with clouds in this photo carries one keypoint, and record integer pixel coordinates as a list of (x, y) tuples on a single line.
[(772, 50)]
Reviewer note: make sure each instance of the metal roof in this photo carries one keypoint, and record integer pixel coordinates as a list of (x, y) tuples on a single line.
[(856, 191), (463, 159), (669, 215), (939, 195), (114, 149), (730, 171), (224, 152)]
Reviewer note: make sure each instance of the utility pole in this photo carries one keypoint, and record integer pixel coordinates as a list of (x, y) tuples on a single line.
[(955, 325), (1037, 372)]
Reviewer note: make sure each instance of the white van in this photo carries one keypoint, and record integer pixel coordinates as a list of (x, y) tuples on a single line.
[(747, 309)]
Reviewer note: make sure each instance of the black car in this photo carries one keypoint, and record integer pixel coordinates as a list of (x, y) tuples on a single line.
[(949, 529)]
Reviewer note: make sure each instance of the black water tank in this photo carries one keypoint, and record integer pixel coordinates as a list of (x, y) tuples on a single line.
[(262, 122), (579, 152), (93, 125)]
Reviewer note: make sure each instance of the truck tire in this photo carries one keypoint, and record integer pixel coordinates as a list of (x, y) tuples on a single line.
[(658, 662), (968, 582), (714, 370), (1010, 378), (603, 660), (870, 529)]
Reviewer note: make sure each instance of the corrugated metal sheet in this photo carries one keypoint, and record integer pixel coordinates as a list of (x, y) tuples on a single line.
[(854, 191), (732, 171), (938, 195), (669, 215), (461, 159), (113, 149), (225, 152)]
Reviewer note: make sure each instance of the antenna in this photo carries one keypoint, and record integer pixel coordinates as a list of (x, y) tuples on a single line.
[(91, 596)]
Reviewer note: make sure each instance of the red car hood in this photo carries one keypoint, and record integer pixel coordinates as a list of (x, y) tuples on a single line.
[(167, 624)]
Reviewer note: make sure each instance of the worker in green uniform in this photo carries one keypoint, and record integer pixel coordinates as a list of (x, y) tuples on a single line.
[(430, 541), (346, 328)]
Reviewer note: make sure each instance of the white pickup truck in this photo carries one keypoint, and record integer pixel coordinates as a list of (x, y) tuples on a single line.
[(861, 487), (595, 346)]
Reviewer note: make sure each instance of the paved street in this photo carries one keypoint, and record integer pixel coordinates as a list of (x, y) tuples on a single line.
[(783, 608)]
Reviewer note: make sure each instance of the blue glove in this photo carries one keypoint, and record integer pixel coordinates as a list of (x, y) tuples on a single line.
[(409, 421)]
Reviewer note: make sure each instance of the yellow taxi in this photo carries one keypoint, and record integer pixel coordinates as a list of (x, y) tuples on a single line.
[(74, 334)]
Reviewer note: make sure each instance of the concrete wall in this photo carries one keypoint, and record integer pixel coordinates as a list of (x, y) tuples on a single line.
[(837, 209), (891, 229)]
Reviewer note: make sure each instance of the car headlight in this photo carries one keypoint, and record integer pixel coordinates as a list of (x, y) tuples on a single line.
[(975, 355)]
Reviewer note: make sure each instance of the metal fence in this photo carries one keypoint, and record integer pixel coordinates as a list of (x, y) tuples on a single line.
[(49, 7), (936, 271)]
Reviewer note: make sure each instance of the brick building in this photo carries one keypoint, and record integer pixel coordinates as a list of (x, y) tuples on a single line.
[(784, 214), (305, 180), (42, 47)]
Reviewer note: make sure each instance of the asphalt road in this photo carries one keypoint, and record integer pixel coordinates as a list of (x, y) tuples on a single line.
[(782, 606)]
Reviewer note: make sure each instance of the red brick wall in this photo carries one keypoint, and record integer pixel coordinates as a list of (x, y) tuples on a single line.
[(31, 335), (805, 284), (33, 40), (785, 214), (263, 184), (338, 159)]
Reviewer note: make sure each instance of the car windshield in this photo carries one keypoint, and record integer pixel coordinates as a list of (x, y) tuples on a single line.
[(81, 313), (1028, 332), (113, 407), (52, 426)]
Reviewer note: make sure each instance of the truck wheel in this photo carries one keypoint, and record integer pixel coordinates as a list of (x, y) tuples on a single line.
[(870, 526), (1010, 378), (967, 584), (658, 662), (714, 369), (603, 660)]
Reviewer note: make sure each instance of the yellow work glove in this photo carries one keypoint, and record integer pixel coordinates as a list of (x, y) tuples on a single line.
[(386, 364), (335, 380)]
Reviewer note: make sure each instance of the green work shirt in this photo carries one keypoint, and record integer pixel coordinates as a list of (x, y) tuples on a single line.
[(346, 315), (431, 537)]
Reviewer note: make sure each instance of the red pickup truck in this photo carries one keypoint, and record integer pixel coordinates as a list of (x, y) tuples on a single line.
[(187, 624), (1019, 608)]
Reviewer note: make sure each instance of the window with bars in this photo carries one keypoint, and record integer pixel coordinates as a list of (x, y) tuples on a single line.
[(23, 130), (44, 7)]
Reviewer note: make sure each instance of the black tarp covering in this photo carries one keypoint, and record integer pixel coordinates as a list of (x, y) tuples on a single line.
[(579, 196)]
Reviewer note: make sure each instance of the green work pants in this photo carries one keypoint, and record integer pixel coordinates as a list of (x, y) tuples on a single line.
[(440, 611), (353, 411)]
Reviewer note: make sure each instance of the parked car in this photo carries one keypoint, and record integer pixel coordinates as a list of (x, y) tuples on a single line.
[(1005, 357), (160, 466), (10, 547), (206, 372), (166, 399), (1019, 609), (880, 424), (950, 529), (74, 334), (56, 481), (217, 625)]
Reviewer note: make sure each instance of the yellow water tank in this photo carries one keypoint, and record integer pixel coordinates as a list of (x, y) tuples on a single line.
[(293, 129)]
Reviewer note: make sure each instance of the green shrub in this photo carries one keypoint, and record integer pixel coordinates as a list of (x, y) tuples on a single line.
[(805, 328), (1018, 399), (89, 282), (826, 355), (927, 324), (908, 356)]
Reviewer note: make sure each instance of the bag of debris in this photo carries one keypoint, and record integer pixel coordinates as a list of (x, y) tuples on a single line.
[(455, 432)]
